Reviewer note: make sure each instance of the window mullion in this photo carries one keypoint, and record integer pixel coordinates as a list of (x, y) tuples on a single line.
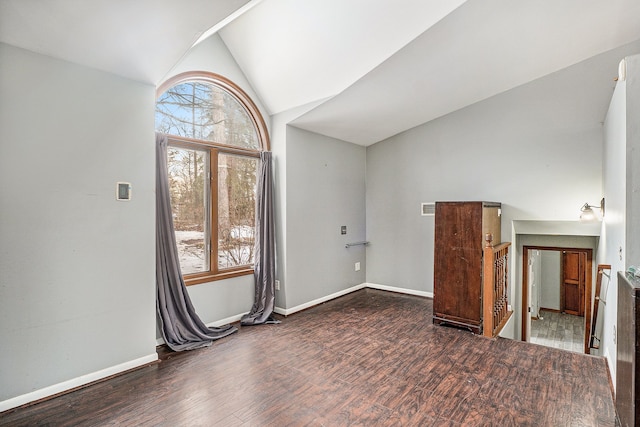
[(213, 197)]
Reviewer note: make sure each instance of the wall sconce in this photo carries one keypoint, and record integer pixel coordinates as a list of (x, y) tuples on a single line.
[(587, 213)]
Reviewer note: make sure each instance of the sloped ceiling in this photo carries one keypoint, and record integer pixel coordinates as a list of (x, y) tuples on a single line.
[(296, 52), (138, 39), (372, 68), (469, 52)]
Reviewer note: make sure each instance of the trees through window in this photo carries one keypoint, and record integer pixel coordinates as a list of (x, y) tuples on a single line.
[(215, 137)]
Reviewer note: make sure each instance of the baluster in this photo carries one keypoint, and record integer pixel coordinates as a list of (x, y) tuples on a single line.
[(488, 289)]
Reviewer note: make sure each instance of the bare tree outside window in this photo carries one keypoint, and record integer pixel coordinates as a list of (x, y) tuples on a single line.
[(201, 111), (188, 170), (236, 210)]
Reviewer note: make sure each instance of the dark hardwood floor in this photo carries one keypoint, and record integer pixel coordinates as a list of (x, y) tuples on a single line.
[(370, 358)]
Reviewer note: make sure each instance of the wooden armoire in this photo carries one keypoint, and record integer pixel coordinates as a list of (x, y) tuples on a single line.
[(628, 350), (460, 229)]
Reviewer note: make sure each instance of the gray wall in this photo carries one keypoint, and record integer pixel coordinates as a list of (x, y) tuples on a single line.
[(223, 300), (77, 267), (526, 148), (325, 190), (279, 148), (319, 186)]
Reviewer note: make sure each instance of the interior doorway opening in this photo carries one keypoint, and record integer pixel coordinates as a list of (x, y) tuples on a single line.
[(574, 291)]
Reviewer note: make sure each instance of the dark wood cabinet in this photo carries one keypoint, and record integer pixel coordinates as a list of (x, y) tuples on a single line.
[(460, 229), (628, 350)]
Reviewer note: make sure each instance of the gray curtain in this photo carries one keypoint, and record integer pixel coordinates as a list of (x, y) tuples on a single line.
[(181, 327), (265, 267)]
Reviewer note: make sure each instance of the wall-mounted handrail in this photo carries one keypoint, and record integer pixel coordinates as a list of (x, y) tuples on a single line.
[(364, 243)]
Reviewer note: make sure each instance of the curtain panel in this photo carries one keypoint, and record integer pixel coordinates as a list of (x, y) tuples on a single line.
[(264, 269), (181, 327)]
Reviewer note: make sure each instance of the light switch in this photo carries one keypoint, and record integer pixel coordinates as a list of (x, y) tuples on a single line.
[(343, 229)]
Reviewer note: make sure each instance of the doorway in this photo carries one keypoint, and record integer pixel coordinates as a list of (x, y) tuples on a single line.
[(574, 291)]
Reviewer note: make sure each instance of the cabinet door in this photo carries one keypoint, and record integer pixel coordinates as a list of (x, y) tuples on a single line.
[(458, 262)]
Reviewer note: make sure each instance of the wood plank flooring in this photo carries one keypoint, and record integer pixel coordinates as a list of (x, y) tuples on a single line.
[(370, 358), (558, 330)]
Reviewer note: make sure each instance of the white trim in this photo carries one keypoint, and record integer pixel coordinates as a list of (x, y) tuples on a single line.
[(288, 311), (611, 366), (215, 324), (23, 399), (226, 321), (399, 290), (104, 373)]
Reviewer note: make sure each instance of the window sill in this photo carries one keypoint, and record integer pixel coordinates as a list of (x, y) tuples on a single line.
[(195, 279)]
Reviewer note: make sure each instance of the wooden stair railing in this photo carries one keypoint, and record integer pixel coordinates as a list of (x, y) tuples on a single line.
[(496, 311)]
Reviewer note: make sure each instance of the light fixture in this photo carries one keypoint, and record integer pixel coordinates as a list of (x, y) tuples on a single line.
[(587, 213)]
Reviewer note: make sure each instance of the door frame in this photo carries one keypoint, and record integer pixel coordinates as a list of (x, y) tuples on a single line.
[(587, 285)]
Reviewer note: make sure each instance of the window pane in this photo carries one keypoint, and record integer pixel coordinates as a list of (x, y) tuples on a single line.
[(207, 112), (236, 210), (189, 191)]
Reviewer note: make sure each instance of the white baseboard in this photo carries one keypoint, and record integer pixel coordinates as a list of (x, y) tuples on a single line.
[(611, 366), (288, 311), (95, 376), (14, 402), (399, 290), (226, 321), (215, 324)]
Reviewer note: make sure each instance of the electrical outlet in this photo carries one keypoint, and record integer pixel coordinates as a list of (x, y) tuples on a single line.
[(615, 334), (277, 285), (357, 266)]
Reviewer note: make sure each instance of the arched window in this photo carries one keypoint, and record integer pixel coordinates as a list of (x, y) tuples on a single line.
[(215, 136)]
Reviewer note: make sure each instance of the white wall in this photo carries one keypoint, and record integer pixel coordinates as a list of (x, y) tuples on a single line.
[(77, 267), (613, 229), (212, 55), (633, 160), (550, 283), (621, 160), (535, 281)]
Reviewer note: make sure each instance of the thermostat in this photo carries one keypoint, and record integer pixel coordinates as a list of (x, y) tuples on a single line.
[(123, 191)]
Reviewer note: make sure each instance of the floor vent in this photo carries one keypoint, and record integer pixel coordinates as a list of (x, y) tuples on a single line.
[(428, 209)]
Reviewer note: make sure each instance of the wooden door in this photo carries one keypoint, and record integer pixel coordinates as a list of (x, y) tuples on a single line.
[(573, 282), (457, 284)]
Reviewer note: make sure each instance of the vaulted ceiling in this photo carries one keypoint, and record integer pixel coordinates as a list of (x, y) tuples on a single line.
[(371, 68)]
